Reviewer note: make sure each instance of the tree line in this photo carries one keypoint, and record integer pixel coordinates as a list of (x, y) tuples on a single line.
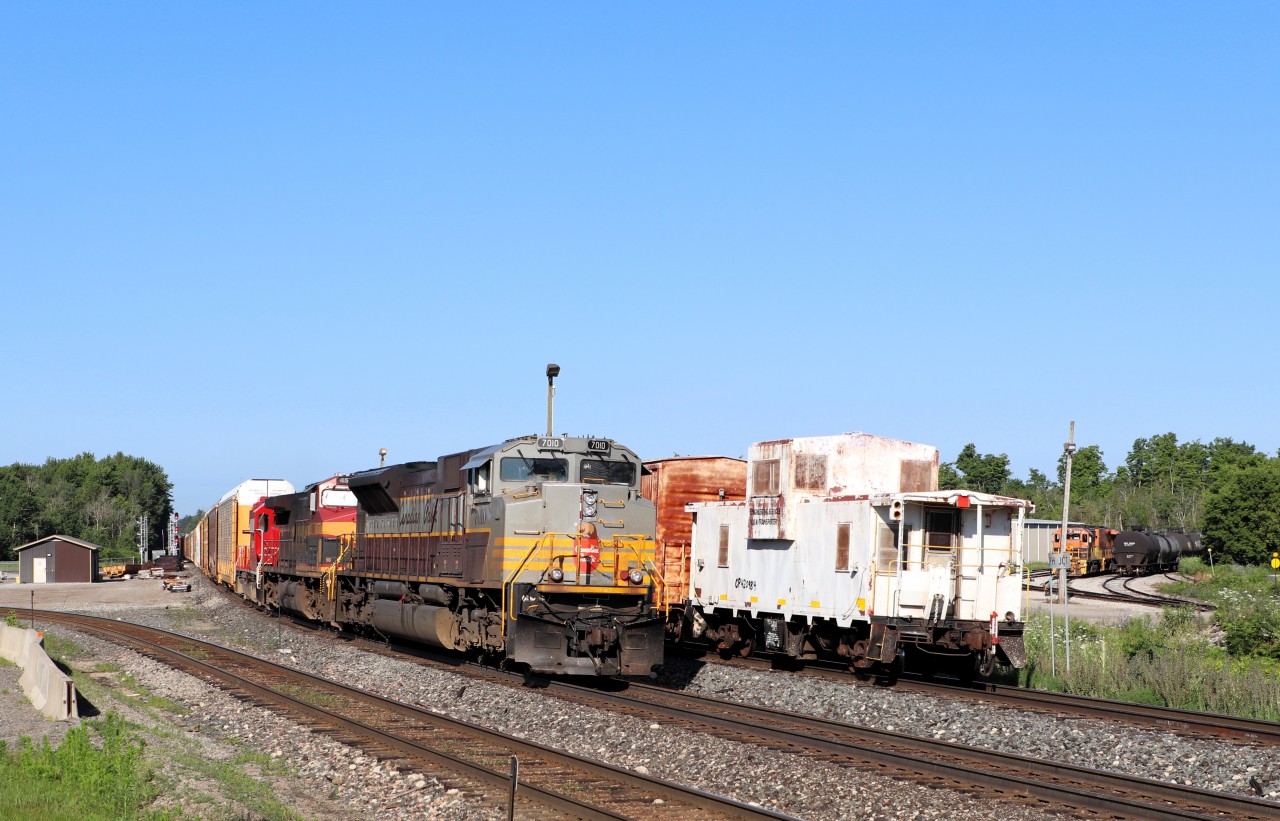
[(1227, 490), (97, 500)]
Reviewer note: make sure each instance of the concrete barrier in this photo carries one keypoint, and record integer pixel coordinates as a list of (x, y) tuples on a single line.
[(49, 689)]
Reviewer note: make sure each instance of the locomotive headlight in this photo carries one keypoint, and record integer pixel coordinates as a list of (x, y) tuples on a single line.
[(636, 576), (556, 575), (589, 498), (1009, 617)]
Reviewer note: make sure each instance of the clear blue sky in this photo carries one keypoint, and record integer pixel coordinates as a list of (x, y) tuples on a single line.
[(264, 240)]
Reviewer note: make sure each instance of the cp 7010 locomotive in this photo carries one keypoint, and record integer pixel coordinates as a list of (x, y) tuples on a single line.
[(538, 551)]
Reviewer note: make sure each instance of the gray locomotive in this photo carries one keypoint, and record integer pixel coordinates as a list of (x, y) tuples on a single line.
[(538, 550)]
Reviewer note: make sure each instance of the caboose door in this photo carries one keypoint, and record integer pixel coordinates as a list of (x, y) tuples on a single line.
[(941, 527)]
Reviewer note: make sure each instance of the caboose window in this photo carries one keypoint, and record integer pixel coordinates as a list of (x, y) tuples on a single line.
[(811, 471), (765, 480), (521, 469), (607, 472)]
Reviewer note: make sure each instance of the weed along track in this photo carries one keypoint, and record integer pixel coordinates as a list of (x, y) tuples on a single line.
[(552, 784)]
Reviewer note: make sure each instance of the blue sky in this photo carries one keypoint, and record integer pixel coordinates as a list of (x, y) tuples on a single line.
[(264, 240)]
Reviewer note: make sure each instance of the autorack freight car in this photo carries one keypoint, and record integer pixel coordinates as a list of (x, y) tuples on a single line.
[(846, 549), (223, 532)]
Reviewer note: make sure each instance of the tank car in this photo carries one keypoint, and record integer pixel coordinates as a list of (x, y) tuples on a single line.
[(845, 549), (1139, 551)]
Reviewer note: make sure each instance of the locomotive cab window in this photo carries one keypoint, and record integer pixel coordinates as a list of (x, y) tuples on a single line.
[(479, 479), (541, 469), (602, 471)]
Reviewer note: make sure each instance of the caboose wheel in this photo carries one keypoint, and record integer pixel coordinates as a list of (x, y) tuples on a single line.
[(890, 672)]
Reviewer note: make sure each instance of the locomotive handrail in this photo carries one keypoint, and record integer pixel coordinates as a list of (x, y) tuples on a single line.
[(329, 580), (547, 541)]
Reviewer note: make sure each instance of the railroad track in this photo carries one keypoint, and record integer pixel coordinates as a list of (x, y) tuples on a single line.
[(1132, 595), (992, 774), (1185, 722), (1005, 776), (1011, 778), (1161, 599), (552, 784)]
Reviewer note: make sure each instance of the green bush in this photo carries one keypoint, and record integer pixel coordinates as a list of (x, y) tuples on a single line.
[(1172, 660), (80, 779)]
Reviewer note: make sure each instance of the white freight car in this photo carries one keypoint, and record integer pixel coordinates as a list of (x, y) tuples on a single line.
[(845, 548)]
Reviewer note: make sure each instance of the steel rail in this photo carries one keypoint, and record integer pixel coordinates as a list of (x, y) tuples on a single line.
[(1060, 783), (1187, 722), (562, 805)]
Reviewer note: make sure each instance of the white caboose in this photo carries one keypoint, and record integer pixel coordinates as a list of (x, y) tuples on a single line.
[(845, 547)]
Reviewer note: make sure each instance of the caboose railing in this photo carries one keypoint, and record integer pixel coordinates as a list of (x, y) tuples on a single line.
[(568, 547)]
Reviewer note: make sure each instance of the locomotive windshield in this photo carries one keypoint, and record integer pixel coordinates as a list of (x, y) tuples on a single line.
[(607, 472), (521, 468)]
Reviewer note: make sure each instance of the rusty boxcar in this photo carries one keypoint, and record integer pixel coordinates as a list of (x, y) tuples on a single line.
[(671, 484)]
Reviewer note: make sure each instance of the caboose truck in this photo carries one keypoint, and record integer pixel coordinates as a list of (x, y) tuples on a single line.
[(845, 549)]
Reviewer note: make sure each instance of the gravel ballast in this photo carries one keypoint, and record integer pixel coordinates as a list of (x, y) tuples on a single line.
[(330, 775)]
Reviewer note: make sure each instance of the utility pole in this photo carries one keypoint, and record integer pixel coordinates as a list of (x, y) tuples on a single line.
[(1069, 448)]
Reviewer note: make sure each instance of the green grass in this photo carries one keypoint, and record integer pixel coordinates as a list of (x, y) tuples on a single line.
[(251, 797), (60, 648), (101, 770), (315, 698), (1174, 659), (98, 772)]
